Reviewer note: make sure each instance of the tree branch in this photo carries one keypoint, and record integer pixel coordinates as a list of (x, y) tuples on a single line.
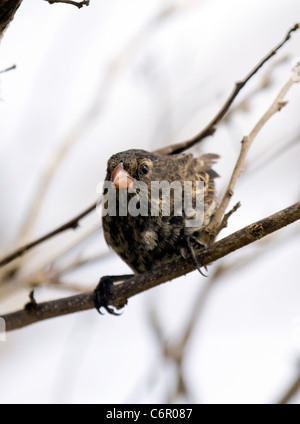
[(121, 292), (291, 391), (73, 3), (211, 127), (8, 69), (8, 9), (216, 223), (70, 225), (173, 149)]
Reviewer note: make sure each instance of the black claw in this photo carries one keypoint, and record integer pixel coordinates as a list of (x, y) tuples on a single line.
[(201, 272), (102, 296), (192, 252), (102, 293), (195, 240)]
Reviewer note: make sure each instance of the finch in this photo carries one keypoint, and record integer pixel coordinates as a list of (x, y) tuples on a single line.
[(150, 240)]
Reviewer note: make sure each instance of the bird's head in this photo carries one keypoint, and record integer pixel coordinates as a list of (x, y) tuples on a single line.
[(125, 168)]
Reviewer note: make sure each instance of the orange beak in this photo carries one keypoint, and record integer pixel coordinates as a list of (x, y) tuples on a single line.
[(121, 178)]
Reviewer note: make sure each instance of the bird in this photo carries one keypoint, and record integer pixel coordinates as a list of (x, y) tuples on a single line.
[(146, 241)]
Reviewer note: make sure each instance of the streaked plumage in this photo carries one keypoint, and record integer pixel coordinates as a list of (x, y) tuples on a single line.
[(145, 243)]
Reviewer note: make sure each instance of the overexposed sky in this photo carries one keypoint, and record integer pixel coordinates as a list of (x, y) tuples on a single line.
[(138, 74)]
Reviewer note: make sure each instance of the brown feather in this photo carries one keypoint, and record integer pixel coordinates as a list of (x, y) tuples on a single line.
[(145, 243)]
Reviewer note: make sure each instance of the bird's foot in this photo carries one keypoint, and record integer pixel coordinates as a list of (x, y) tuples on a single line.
[(190, 248), (102, 293)]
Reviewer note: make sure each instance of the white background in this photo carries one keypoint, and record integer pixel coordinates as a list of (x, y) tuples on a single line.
[(157, 79)]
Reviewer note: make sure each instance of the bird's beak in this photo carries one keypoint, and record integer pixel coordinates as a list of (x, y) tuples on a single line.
[(121, 178)]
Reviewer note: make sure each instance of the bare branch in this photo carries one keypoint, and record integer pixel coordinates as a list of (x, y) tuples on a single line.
[(226, 217), (70, 225), (265, 83), (216, 223), (120, 293), (85, 121), (211, 127), (291, 391), (175, 350), (73, 3), (172, 150), (8, 69)]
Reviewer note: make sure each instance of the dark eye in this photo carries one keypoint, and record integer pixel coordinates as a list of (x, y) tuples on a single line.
[(145, 169)]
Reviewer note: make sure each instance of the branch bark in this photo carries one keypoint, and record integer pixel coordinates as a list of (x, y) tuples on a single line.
[(121, 292)]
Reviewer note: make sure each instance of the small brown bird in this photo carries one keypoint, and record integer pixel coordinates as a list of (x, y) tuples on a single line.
[(167, 228)]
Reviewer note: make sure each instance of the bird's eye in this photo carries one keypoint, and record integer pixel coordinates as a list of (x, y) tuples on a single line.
[(145, 169)]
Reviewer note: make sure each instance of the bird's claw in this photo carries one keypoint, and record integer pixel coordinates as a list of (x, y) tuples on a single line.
[(102, 296), (201, 272), (192, 253)]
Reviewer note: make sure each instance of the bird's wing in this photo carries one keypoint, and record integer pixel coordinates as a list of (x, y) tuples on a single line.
[(201, 167)]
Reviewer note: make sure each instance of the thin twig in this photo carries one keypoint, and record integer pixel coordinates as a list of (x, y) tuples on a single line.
[(81, 262), (68, 247), (73, 3), (171, 149), (8, 69), (276, 106), (10, 278), (227, 215), (265, 83), (211, 127), (70, 225), (292, 390), (120, 293), (82, 124)]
